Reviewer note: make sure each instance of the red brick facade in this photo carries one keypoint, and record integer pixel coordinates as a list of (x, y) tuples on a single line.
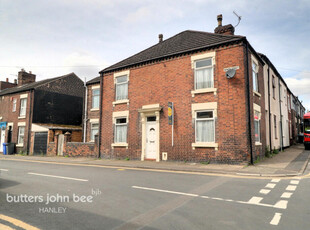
[(172, 80)]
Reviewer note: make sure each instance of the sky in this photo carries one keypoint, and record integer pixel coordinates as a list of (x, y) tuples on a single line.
[(55, 37)]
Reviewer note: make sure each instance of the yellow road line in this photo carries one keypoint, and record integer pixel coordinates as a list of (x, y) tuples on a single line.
[(157, 170), (4, 227), (18, 223)]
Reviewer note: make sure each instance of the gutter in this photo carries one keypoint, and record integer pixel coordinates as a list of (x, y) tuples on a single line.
[(249, 101), (85, 112), (29, 121)]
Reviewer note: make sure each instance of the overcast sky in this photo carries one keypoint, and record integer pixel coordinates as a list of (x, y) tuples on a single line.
[(56, 37)]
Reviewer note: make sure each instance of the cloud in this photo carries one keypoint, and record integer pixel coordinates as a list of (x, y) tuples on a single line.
[(84, 64)]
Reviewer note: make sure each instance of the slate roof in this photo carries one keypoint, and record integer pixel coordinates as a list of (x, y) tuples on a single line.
[(93, 81), (31, 86), (186, 41)]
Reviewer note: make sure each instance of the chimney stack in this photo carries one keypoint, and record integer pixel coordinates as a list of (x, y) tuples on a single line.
[(219, 19), (160, 37), (25, 78), (7, 79), (15, 81), (220, 29)]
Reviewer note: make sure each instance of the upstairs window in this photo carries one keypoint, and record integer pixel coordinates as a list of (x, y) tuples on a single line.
[(14, 105), (23, 106), (204, 74), (121, 85), (255, 76), (205, 128), (120, 135), (95, 98)]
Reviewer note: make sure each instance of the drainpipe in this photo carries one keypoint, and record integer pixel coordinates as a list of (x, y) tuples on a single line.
[(281, 131), (249, 100), (270, 143), (85, 112), (100, 115)]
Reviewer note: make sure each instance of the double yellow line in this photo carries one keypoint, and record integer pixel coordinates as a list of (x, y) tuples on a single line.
[(16, 222)]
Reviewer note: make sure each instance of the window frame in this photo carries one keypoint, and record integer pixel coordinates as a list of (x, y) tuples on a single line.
[(120, 124), (23, 107), (14, 105), (19, 135), (95, 95), (255, 76), (92, 137), (257, 119), (122, 83), (202, 68), (204, 119)]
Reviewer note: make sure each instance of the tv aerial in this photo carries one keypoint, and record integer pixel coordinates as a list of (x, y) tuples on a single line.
[(239, 18)]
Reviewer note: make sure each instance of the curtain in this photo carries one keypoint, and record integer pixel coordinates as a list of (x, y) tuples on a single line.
[(204, 78), (205, 131), (122, 91), (121, 133)]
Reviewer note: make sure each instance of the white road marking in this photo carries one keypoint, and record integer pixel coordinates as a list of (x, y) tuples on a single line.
[(5, 170), (264, 191), (291, 188), (275, 180), (294, 182), (255, 200), (281, 204), (276, 219), (269, 185), (166, 191), (286, 195), (61, 177)]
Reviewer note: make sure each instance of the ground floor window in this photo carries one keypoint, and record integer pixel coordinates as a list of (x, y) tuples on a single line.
[(120, 135), (257, 126), (93, 131), (21, 133), (204, 125)]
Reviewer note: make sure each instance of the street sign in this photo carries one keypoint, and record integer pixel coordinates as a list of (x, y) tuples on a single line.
[(170, 113)]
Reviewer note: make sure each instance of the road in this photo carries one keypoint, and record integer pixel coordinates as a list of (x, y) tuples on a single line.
[(62, 196)]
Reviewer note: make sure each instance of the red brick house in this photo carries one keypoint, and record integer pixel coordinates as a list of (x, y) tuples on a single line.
[(215, 82), (39, 109)]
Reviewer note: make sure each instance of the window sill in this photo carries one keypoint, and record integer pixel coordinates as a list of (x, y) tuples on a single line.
[(22, 117), (94, 109), (125, 101), (205, 145), (207, 90), (119, 145), (258, 143), (256, 93), (92, 141), (20, 145)]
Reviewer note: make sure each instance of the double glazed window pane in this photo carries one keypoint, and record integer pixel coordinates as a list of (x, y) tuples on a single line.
[(205, 131), (204, 74), (94, 131), (121, 88), (23, 104), (21, 132), (121, 130), (255, 79), (257, 132), (95, 101)]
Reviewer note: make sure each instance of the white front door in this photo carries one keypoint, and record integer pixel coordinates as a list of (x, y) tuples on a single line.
[(151, 140), (2, 138)]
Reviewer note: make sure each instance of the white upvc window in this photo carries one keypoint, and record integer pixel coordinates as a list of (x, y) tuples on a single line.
[(204, 77), (94, 128), (204, 126), (257, 126), (255, 76), (14, 104), (95, 98), (23, 106), (120, 132), (21, 133), (121, 87)]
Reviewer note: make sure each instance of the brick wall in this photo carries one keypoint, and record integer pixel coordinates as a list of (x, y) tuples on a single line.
[(173, 80), (91, 113)]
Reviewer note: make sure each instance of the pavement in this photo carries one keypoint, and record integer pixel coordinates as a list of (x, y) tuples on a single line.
[(290, 162)]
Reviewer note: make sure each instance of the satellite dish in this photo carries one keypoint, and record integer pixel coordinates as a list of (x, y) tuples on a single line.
[(230, 73)]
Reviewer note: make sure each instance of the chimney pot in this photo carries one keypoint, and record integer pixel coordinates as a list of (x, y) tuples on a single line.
[(30, 72), (7, 79), (160, 37), (219, 19)]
